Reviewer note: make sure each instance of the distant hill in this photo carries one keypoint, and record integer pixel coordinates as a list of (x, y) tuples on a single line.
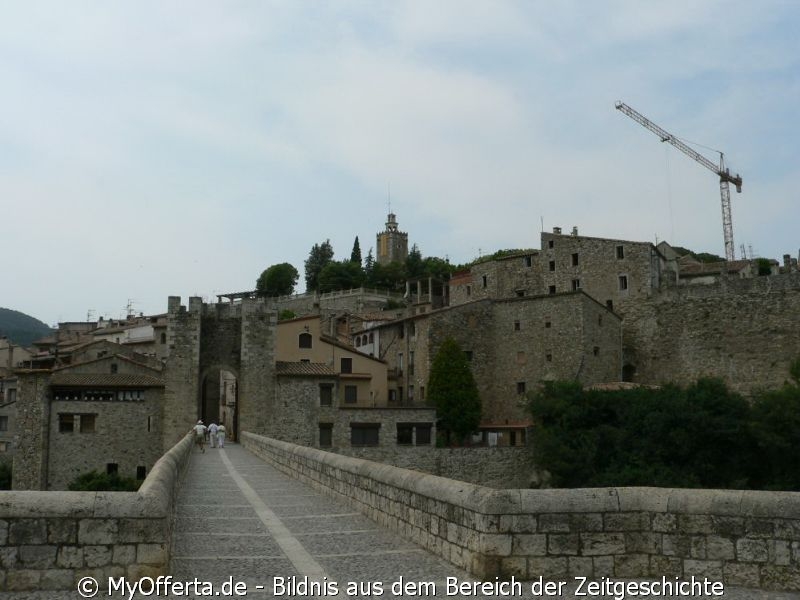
[(20, 328)]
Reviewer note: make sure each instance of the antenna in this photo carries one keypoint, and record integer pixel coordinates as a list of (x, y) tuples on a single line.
[(389, 197), (89, 315)]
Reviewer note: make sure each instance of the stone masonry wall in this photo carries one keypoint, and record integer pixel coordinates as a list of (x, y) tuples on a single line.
[(31, 439), (738, 537), (50, 540), (257, 373)]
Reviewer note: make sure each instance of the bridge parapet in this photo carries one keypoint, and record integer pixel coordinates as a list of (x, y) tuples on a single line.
[(746, 538), (51, 540)]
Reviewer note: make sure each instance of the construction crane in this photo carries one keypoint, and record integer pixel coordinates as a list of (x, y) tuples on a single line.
[(725, 177)]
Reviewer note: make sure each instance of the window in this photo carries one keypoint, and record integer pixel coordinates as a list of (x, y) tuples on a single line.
[(551, 290), (520, 387), (468, 355), (576, 285), (623, 282), (347, 365), (422, 392), (325, 435), (371, 338), (552, 265), (149, 423), (358, 341), (364, 434), (88, 423), (424, 434), (410, 362), (400, 393), (400, 363), (3, 446), (517, 325), (600, 320), (575, 259), (521, 358), (405, 434), (549, 358), (141, 472), (392, 396), (520, 293), (412, 329), (163, 338), (620, 252), (3, 422), (350, 394), (610, 304), (529, 261), (485, 281), (469, 290), (547, 324), (550, 243), (112, 468), (411, 394), (66, 423), (325, 394), (114, 367), (304, 340), (596, 350)]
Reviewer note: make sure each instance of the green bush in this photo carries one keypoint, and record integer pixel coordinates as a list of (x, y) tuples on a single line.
[(94, 481)]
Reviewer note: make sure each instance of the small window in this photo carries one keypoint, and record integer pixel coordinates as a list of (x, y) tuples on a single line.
[(600, 320), (485, 281), (520, 293), (141, 472), (3, 422), (528, 261), (468, 355), (325, 435), (548, 324), (114, 367), (610, 304), (469, 290), (623, 282), (422, 392), (347, 365), (149, 423), (88, 423), (163, 338), (66, 423), (392, 396), (551, 290), (575, 259), (521, 358), (620, 252), (371, 338), (520, 387), (350, 394), (364, 434), (576, 285), (3, 447), (112, 468), (358, 341), (552, 265), (517, 325), (424, 434), (304, 340), (405, 434), (596, 350), (400, 393), (549, 358), (550, 243), (411, 394), (325, 394)]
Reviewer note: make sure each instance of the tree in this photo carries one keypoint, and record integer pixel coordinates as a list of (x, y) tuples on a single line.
[(355, 255), (414, 265), (390, 276), (344, 275), (369, 264), (277, 280), (452, 390), (320, 255)]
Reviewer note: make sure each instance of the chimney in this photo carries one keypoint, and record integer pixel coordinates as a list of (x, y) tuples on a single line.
[(787, 262), (557, 230), (575, 230)]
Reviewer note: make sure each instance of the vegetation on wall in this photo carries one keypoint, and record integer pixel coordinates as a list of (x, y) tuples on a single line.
[(452, 390), (94, 481), (702, 435)]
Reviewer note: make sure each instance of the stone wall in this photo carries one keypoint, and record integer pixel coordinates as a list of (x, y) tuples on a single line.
[(738, 537), (50, 540), (32, 437)]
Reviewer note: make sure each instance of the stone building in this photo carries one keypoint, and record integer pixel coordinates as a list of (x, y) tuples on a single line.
[(392, 244)]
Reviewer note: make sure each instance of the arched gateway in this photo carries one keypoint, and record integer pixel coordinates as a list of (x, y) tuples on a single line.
[(207, 341)]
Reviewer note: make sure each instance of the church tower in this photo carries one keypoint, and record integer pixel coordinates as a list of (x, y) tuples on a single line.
[(392, 243)]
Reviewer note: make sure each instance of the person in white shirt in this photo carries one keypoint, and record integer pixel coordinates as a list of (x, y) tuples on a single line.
[(221, 436), (200, 435), (212, 434)]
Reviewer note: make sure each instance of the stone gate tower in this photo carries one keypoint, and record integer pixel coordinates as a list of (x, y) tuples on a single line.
[(207, 338)]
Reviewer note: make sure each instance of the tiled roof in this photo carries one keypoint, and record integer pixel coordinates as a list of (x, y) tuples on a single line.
[(304, 369), (620, 385), (105, 380)]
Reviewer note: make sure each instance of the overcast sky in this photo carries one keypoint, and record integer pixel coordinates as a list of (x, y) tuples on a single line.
[(150, 149)]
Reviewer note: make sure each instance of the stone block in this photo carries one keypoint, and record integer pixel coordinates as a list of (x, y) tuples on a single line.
[(665, 523), (3, 532), (728, 526), (9, 557), (586, 522), (695, 524), (703, 568), (123, 554), (57, 579), (97, 531), (720, 548), (741, 574), (514, 566), (529, 545), (142, 531), (97, 556), (786, 529), (580, 566), (602, 544), (631, 565), (677, 545), (563, 543), (70, 557), (23, 580), (759, 528), (780, 578), (615, 522), (554, 523), (548, 567), (780, 552), (748, 550), (62, 531), (643, 543), (495, 544), (603, 566), (666, 566), (38, 557), (27, 531), (523, 523)]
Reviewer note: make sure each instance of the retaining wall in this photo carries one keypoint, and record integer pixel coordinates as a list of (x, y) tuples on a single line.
[(738, 537), (50, 540)]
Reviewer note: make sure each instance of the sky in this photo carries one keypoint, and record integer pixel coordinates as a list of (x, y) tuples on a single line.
[(150, 149)]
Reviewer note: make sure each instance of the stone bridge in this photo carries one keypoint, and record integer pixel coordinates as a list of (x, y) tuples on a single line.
[(272, 518)]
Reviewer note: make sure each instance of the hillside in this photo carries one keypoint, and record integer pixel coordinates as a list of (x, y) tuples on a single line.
[(20, 328)]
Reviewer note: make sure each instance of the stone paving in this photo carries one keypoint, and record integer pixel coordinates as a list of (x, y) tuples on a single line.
[(240, 521)]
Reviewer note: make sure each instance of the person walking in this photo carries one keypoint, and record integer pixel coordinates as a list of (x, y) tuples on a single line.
[(212, 434), (221, 435), (200, 435)]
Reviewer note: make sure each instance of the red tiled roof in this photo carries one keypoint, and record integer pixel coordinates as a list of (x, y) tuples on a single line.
[(105, 380), (304, 369)]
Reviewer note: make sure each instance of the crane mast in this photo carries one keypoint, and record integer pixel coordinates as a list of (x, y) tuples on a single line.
[(725, 177)]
